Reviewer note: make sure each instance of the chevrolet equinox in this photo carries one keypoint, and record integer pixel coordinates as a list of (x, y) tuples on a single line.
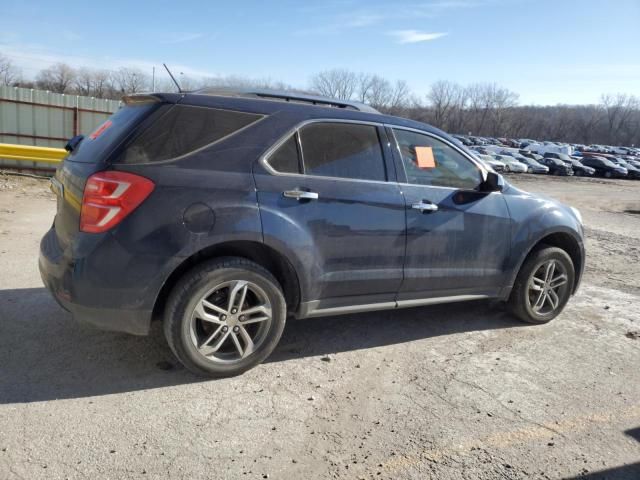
[(225, 213)]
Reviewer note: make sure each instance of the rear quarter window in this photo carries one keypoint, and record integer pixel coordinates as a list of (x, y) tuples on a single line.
[(178, 130), (96, 146)]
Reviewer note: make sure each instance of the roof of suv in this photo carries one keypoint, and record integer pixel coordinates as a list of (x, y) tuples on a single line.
[(293, 105), (287, 96)]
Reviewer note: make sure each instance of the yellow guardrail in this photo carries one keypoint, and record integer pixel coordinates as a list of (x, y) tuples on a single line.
[(32, 154)]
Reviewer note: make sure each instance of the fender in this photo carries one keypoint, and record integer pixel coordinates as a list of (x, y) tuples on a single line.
[(532, 225)]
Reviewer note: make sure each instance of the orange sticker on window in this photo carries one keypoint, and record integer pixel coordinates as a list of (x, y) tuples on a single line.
[(100, 130), (425, 158)]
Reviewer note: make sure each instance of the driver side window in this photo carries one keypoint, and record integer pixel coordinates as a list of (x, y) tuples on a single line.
[(428, 161)]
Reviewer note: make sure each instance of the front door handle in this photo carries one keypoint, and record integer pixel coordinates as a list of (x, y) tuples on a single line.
[(425, 207), (300, 195)]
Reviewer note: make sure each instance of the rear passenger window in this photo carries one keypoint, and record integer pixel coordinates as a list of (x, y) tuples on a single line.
[(181, 129), (343, 150), (286, 158)]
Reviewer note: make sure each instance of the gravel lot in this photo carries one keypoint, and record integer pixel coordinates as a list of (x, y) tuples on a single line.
[(447, 392)]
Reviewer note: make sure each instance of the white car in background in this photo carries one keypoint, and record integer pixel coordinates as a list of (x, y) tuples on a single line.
[(510, 164), (496, 165)]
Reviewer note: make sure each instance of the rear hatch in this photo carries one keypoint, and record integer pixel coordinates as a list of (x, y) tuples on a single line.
[(90, 156)]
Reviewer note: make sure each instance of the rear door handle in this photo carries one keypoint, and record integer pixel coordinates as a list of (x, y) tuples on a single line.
[(425, 207), (300, 195)]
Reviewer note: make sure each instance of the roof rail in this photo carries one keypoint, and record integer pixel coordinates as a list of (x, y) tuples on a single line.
[(288, 96)]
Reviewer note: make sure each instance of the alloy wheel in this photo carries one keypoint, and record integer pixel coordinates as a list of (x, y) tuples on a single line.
[(547, 287), (230, 321)]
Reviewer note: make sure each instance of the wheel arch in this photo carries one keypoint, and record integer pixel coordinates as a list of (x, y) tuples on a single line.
[(565, 241), (257, 252)]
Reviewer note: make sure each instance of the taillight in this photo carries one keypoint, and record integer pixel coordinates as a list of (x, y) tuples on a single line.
[(109, 197)]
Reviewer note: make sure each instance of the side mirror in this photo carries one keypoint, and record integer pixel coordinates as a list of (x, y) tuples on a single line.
[(492, 183), (73, 143)]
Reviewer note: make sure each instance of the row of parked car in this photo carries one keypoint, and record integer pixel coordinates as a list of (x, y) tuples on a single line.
[(470, 141), (549, 158)]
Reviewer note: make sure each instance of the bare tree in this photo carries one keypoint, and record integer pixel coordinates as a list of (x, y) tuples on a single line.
[(485, 109), (619, 109), (94, 83), (9, 73), (442, 98), (401, 97), (501, 101), (337, 83), (239, 82), (131, 80), (57, 78)]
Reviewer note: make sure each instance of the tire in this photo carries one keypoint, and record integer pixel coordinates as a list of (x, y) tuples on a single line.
[(216, 283), (507, 169), (607, 174), (524, 298)]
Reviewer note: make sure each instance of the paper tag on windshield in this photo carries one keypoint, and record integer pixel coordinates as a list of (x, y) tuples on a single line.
[(425, 158)]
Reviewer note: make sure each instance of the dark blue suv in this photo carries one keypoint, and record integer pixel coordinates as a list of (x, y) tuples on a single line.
[(225, 213)]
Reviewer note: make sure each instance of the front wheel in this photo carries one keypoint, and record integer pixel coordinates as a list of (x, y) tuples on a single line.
[(224, 317), (543, 286), (507, 169)]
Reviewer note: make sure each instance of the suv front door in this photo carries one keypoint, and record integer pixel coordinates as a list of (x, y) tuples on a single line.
[(328, 195), (458, 238)]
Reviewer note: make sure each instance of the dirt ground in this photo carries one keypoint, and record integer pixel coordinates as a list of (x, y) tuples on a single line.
[(448, 392)]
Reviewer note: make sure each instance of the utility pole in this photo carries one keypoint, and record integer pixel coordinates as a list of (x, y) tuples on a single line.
[(153, 79)]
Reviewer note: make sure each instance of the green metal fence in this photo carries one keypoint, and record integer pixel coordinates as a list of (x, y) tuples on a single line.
[(42, 118)]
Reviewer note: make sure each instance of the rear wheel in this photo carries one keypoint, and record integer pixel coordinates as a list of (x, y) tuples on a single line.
[(224, 317), (507, 169), (543, 286)]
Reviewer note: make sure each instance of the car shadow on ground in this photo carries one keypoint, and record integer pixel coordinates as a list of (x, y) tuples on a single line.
[(625, 472), (45, 355)]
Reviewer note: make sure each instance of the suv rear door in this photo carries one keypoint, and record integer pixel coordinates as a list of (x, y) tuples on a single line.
[(458, 238), (328, 198)]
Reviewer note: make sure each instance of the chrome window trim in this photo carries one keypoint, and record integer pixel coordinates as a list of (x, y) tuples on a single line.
[(295, 130), (263, 160), (478, 165)]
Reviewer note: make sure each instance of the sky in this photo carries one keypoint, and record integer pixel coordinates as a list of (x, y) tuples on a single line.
[(548, 51)]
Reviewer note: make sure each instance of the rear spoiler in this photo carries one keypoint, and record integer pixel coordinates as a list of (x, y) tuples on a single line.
[(142, 98), (137, 99)]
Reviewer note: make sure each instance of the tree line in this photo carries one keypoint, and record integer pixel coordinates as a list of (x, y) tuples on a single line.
[(483, 109)]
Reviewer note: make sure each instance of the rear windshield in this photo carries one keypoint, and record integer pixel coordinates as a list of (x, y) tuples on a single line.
[(177, 130), (96, 146)]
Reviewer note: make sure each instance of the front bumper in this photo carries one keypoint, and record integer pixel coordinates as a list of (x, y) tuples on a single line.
[(76, 291)]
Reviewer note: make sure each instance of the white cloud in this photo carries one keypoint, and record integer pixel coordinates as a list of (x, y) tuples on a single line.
[(343, 22), (32, 58), (181, 37), (414, 36)]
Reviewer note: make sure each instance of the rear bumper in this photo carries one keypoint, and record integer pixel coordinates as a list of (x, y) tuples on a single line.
[(74, 287)]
